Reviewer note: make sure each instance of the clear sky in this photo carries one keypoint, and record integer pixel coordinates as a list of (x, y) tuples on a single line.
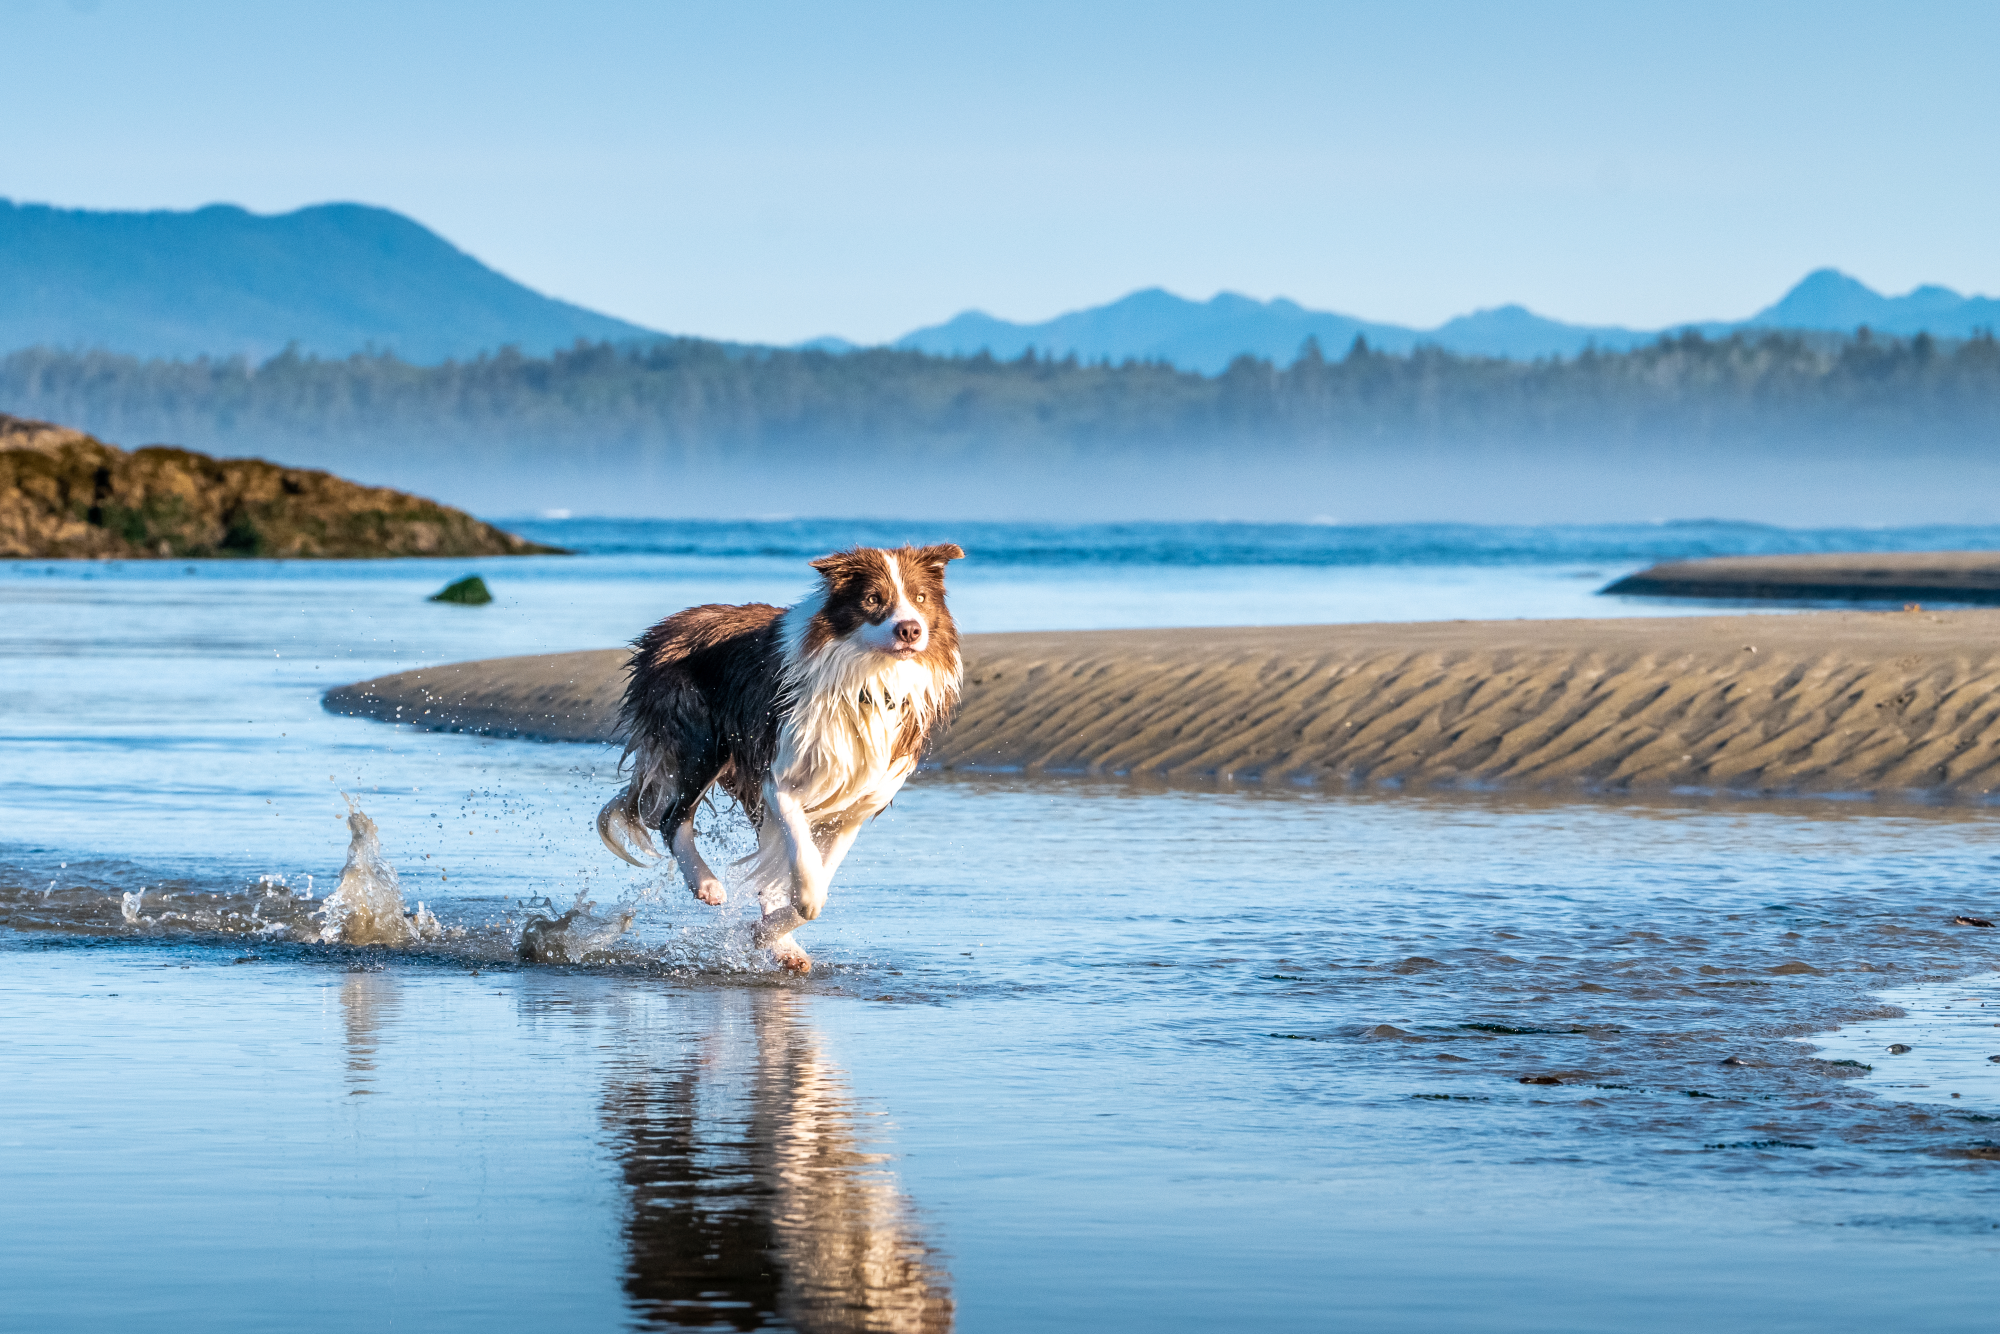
[(775, 171)]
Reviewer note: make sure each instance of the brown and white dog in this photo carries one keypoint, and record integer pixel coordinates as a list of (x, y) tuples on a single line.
[(810, 716)]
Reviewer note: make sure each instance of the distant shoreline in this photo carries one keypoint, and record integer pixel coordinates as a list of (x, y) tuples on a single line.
[(1895, 576), (1850, 703)]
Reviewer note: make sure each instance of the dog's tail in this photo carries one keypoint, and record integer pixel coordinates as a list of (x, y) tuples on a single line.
[(618, 824)]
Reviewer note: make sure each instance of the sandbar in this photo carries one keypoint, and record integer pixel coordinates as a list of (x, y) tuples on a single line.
[(1875, 576), (1844, 702)]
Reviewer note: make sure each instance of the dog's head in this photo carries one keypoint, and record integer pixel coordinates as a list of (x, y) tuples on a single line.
[(889, 601)]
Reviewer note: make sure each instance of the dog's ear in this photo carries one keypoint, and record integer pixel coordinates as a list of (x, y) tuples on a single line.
[(939, 554), (839, 563)]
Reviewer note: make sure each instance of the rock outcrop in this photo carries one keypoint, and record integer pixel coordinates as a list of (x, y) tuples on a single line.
[(64, 494)]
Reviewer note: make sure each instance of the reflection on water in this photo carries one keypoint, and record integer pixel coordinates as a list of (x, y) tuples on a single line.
[(367, 1001), (754, 1194)]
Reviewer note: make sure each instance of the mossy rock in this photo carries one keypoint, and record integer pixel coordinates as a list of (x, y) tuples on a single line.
[(64, 494), (470, 591)]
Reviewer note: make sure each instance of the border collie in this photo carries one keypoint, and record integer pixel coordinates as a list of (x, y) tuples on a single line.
[(810, 717)]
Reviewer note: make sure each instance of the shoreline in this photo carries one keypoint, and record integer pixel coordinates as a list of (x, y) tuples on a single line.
[(1959, 577), (1822, 703)]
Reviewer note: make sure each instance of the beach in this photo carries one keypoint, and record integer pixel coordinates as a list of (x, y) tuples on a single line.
[(1881, 703), (995, 670)]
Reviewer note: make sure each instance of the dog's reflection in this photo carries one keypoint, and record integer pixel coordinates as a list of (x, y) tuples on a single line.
[(367, 1002), (754, 1198)]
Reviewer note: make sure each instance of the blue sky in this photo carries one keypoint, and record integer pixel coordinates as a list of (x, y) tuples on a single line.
[(775, 171)]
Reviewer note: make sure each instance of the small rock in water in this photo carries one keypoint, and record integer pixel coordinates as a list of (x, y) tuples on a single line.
[(1732, 1060), (1385, 1031), (1898, 1048), (470, 591), (1993, 1058), (1539, 1079), (1970, 921)]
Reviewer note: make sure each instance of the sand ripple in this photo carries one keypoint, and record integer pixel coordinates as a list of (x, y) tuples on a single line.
[(1832, 702)]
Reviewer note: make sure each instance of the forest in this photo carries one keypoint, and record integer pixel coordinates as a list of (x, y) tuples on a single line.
[(669, 415), (699, 395)]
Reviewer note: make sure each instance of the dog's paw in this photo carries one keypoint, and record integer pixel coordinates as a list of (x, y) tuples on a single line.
[(711, 892), (791, 958)]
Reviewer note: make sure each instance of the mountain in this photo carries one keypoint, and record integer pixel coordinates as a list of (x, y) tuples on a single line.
[(832, 344), (339, 278), (1519, 334), (1829, 299), (1156, 325), (334, 278)]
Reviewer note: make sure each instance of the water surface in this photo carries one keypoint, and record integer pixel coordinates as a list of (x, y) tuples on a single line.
[(1078, 1054)]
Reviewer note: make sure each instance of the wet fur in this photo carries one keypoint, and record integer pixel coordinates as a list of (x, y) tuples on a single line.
[(701, 703), (805, 707)]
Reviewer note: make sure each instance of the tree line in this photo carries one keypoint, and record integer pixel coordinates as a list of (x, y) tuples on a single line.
[(695, 397)]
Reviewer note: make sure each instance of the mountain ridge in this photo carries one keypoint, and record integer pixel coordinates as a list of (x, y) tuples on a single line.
[(341, 278), (332, 279), (1153, 324)]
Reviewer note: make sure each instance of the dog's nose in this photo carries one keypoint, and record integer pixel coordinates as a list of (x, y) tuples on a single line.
[(909, 632)]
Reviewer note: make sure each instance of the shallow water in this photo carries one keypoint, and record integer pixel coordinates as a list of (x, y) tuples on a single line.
[(1938, 1042), (1077, 1054)]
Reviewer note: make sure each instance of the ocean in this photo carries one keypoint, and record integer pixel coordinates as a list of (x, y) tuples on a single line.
[(1077, 1054)]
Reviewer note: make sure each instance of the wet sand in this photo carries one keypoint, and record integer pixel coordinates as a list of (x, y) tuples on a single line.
[(1871, 576), (1885, 703)]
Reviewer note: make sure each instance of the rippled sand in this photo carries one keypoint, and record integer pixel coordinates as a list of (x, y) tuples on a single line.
[(1890, 703)]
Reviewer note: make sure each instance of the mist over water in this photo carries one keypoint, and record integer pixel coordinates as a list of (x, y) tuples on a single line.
[(1778, 427), (1076, 1054)]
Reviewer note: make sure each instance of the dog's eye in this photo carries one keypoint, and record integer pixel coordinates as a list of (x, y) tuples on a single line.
[(920, 597)]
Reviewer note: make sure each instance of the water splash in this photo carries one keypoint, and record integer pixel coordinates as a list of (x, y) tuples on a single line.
[(367, 907), (575, 935)]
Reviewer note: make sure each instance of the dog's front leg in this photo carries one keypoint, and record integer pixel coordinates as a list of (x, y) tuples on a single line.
[(835, 846), (707, 886), (837, 840), (808, 869), (837, 836)]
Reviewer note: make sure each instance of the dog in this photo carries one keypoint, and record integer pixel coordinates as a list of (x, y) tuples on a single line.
[(811, 717)]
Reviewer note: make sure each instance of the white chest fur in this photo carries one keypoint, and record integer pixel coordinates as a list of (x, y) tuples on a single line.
[(837, 745)]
